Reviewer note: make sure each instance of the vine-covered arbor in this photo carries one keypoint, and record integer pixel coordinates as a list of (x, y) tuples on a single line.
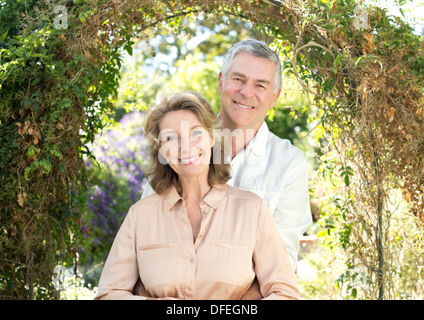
[(59, 72)]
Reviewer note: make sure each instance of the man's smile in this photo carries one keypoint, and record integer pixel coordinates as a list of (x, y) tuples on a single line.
[(242, 106)]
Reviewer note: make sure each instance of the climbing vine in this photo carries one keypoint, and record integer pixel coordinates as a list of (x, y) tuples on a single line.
[(59, 75)]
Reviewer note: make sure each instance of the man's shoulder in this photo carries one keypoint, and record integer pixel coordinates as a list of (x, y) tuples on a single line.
[(278, 146)]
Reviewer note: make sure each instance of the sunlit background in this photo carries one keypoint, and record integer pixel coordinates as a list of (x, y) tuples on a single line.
[(191, 60)]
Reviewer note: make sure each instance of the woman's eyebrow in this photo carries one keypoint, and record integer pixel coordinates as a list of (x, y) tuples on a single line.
[(196, 126), (163, 131)]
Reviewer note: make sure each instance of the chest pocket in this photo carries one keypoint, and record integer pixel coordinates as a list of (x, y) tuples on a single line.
[(229, 263), (154, 264)]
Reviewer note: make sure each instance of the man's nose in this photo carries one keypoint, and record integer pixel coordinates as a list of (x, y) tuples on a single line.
[(247, 89)]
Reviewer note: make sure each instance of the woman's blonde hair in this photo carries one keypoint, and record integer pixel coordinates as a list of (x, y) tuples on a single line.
[(162, 176)]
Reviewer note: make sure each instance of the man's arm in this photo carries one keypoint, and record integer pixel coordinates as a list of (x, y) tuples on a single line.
[(293, 212), (292, 216)]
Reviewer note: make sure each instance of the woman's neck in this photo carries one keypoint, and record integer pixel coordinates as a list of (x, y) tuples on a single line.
[(194, 188)]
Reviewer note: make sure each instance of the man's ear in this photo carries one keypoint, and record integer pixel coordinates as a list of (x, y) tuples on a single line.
[(220, 79), (275, 98)]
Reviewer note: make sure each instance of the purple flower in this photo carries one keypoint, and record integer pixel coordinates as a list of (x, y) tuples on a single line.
[(116, 185)]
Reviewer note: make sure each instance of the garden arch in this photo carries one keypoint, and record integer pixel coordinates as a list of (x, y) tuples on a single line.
[(60, 68)]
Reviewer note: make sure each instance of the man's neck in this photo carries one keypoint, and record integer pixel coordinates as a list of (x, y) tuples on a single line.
[(240, 136)]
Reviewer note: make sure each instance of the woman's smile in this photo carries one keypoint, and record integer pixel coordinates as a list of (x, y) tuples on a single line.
[(191, 160)]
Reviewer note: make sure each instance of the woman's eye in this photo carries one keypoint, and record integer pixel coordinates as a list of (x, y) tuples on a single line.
[(196, 132), (169, 138)]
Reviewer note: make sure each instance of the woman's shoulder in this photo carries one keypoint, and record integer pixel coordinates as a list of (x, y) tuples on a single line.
[(241, 194), (150, 201)]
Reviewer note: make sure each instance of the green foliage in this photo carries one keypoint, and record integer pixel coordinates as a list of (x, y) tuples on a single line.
[(58, 88), (44, 108), (116, 181)]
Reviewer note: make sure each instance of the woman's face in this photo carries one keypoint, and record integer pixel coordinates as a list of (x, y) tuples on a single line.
[(185, 144)]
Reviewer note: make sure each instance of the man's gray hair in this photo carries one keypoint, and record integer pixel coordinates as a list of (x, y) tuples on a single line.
[(258, 49)]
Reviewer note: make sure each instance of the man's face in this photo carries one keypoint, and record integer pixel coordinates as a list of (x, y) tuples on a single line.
[(247, 92)]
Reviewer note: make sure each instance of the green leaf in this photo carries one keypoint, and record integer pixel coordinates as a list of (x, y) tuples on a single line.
[(346, 180), (35, 81), (129, 49), (357, 61)]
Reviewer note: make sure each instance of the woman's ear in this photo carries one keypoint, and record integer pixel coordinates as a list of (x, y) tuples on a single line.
[(212, 141)]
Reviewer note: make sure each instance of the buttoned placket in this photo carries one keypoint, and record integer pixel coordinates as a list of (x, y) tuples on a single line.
[(190, 247)]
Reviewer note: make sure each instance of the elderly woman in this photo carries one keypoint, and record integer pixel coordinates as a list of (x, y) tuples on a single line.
[(197, 237)]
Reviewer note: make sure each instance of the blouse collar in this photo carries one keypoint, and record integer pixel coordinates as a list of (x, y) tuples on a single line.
[(212, 198)]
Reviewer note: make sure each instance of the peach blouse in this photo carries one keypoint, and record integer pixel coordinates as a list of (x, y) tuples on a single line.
[(238, 240)]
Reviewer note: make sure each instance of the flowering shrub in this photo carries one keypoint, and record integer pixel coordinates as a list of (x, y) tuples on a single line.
[(116, 182)]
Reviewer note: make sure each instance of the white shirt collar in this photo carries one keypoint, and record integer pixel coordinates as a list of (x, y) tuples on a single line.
[(258, 143)]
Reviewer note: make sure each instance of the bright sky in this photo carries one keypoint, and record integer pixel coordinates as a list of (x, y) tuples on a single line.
[(412, 8)]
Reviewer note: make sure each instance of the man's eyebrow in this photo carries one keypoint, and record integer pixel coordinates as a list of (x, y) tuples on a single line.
[(238, 74), (241, 75)]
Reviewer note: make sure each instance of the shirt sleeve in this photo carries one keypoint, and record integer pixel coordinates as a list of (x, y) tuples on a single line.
[(293, 212), (272, 264), (120, 273)]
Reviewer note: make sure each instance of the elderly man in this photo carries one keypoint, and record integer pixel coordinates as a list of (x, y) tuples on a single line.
[(250, 83)]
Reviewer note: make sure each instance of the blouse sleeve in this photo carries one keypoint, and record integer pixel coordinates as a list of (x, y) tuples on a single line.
[(120, 272), (273, 266)]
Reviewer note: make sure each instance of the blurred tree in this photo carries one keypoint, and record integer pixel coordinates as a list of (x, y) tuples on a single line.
[(166, 62), (191, 60)]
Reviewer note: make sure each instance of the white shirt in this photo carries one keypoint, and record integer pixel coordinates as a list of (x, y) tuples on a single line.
[(276, 171)]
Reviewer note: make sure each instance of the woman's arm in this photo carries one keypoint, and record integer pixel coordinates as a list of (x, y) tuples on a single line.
[(273, 267), (120, 273)]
